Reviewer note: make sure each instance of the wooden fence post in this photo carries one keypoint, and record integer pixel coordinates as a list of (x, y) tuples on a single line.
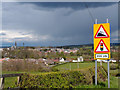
[(2, 83), (18, 79)]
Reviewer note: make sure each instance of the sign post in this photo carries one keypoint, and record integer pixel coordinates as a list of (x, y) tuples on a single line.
[(108, 76), (101, 45), (108, 70), (96, 64)]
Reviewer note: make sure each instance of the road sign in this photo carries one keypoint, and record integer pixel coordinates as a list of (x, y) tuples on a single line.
[(101, 48), (101, 56), (102, 41), (101, 32)]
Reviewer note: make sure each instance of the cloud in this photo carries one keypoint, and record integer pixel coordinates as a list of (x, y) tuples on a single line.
[(73, 5), (55, 24), (2, 34)]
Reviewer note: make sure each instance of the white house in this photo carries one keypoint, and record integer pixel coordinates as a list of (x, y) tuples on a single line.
[(44, 59), (74, 60), (105, 61), (113, 61), (98, 60), (62, 60), (80, 59), (46, 64)]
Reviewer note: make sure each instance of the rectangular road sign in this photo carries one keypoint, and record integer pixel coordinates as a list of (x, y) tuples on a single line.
[(102, 41), (101, 55)]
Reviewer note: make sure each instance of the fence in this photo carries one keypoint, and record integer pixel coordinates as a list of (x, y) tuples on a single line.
[(9, 75)]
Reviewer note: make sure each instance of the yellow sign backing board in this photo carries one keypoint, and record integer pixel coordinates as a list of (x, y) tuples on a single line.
[(102, 41)]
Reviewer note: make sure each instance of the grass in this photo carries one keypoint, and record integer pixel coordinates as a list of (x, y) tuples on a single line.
[(71, 66), (11, 72), (113, 84), (10, 82)]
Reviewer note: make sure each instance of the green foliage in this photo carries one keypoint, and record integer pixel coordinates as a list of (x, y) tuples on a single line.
[(54, 69), (67, 79), (113, 67), (71, 53)]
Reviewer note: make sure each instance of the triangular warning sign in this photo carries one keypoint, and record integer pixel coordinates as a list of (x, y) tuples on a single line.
[(101, 48), (101, 33)]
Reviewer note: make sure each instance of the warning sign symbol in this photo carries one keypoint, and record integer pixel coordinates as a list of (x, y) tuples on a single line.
[(101, 48), (101, 33)]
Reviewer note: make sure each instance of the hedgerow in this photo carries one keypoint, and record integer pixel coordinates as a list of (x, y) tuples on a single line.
[(67, 79)]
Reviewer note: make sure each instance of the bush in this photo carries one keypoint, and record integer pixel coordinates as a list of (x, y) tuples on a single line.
[(113, 67), (54, 69), (68, 79)]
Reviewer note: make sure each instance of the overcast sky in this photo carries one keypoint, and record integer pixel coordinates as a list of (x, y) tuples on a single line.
[(53, 24)]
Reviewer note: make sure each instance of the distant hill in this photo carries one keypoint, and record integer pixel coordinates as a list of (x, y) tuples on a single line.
[(83, 45), (5, 46), (67, 46)]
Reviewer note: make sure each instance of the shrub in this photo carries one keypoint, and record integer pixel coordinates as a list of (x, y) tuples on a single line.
[(113, 67), (68, 79), (54, 69)]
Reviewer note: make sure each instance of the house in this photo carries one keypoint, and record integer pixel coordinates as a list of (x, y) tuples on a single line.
[(74, 60), (4, 59), (98, 60), (62, 60), (113, 61), (105, 61), (80, 59), (44, 59), (48, 62), (56, 60)]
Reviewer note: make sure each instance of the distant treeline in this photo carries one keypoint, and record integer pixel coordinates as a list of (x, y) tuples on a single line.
[(84, 45), (66, 46)]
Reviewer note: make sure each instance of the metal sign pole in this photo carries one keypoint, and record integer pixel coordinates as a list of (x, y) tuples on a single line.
[(96, 64), (108, 68), (108, 76), (95, 72)]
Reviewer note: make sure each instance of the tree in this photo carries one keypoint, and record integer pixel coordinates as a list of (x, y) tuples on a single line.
[(78, 53), (71, 54), (23, 44), (15, 44)]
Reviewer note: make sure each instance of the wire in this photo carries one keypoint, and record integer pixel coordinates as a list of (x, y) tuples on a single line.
[(89, 11)]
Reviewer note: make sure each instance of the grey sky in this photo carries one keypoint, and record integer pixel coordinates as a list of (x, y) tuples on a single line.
[(52, 24)]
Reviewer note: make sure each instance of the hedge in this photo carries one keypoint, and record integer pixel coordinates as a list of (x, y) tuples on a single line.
[(67, 79)]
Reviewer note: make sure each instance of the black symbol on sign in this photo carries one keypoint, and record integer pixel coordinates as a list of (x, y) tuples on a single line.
[(101, 34)]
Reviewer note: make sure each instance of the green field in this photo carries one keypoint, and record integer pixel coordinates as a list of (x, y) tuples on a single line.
[(113, 84), (71, 66), (10, 82)]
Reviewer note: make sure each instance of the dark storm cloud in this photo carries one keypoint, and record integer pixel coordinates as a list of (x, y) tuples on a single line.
[(73, 5), (67, 24)]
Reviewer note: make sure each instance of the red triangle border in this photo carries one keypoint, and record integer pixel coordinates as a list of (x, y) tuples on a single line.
[(101, 51), (104, 30)]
